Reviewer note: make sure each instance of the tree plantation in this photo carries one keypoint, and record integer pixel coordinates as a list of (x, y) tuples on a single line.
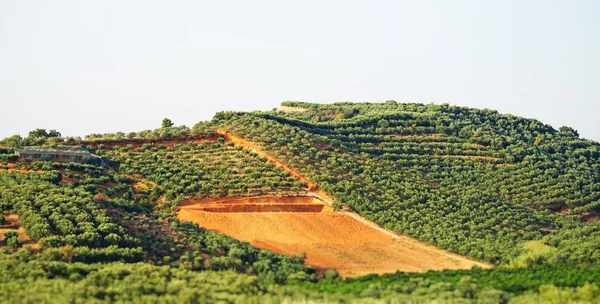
[(497, 189)]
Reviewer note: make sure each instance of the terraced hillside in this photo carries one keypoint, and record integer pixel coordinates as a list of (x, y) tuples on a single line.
[(78, 213), (209, 169), (228, 175), (474, 182), (313, 179)]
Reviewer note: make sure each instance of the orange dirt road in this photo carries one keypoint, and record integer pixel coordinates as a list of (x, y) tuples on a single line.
[(329, 239), (238, 141)]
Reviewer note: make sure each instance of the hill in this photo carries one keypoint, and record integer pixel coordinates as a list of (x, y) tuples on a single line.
[(499, 189), (474, 182)]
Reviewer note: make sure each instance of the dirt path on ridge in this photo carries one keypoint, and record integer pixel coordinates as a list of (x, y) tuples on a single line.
[(254, 148)]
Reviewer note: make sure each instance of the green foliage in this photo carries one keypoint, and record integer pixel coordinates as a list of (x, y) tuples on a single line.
[(209, 169), (331, 274), (53, 133), (15, 141), (166, 123), (42, 133), (51, 176), (8, 157), (512, 280), (537, 252), (25, 277), (146, 136), (39, 133), (588, 293), (86, 221), (12, 239)]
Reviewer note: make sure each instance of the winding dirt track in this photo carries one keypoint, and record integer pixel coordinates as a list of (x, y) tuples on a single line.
[(254, 148)]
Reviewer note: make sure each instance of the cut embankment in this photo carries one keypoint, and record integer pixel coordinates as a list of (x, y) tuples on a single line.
[(329, 239), (257, 204), (261, 208)]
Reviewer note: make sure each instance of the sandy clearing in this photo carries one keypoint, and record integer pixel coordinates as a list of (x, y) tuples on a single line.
[(329, 239)]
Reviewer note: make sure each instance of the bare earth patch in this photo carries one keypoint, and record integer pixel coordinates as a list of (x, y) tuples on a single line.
[(329, 239), (11, 222)]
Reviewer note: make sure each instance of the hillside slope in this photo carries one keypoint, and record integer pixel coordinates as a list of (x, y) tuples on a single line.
[(475, 182), (498, 188)]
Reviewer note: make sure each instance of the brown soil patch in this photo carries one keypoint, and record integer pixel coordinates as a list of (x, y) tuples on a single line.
[(69, 180), (329, 239), (589, 217), (254, 148), (140, 186), (14, 168), (11, 222), (586, 217)]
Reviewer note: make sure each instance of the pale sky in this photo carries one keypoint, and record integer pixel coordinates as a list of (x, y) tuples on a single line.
[(86, 67)]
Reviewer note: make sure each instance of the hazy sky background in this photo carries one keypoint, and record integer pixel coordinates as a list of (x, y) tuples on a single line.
[(104, 66)]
